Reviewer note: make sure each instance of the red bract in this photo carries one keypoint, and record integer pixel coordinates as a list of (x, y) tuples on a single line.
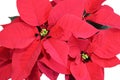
[(66, 7), (34, 12), (84, 59), (92, 6), (105, 16), (106, 43), (17, 35)]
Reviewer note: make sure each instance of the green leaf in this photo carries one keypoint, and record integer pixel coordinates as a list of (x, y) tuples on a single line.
[(85, 14), (13, 17), (97, 25)]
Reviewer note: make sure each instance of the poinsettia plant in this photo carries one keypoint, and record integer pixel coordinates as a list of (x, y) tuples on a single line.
[(73, 37)]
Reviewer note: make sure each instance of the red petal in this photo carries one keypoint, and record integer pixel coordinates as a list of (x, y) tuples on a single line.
[(77, 45), (72, 24), (106, 16), (47, 71), (24, 60), (34, 12), (75, 7), (96, 72), (57, 49), (106, 43), (17, 35), (93, 5), (35, 74), (110, 62), (79, 71), (55, 65)]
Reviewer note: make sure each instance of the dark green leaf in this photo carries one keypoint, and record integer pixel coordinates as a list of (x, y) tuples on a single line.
[(96, 25), (13, 17), (85, 14)]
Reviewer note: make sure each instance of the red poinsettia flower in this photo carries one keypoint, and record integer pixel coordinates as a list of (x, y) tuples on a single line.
[(83, 59), (30, 38), (80, 65)]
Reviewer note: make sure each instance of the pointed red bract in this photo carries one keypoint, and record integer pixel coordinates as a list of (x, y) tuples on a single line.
[(92, 6), (73, 25), (79, 71), (24, 60), (17, 35), (34, 12), (96, 72), (58, 50), (106, 43), (75, 7), (110, 62), (106, 16)]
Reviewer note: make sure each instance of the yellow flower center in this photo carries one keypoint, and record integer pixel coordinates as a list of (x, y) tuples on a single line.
[(84, 56), (44, 32)]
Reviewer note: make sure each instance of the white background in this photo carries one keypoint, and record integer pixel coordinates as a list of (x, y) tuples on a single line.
[(8, 8)]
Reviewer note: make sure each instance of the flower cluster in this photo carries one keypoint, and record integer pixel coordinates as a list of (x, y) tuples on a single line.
[(78, 38)]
